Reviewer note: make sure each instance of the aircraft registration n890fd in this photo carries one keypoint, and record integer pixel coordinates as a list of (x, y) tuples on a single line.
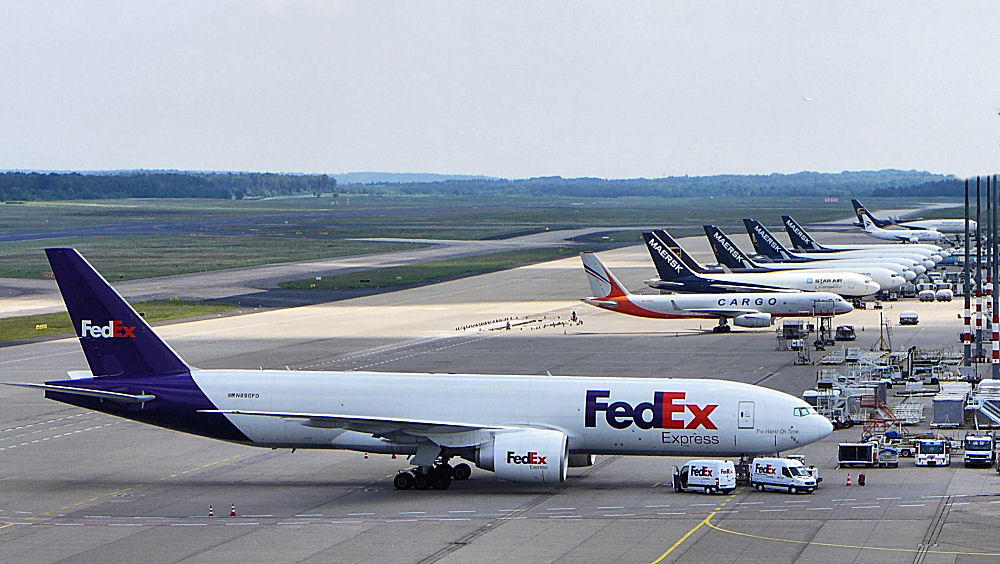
[(746, 309), (524, 428)]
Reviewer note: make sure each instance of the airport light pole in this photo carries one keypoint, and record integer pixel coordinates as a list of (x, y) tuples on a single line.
[(995, 373), (979, 277), (966, 290)]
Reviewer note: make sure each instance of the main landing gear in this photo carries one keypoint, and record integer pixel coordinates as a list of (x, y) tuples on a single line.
[(438, 476), (722, 327)]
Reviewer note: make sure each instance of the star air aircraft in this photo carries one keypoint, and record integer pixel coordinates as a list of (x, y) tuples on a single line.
[(523, 428), (745, 309)]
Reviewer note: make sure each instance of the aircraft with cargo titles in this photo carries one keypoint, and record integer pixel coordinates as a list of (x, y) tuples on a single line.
[(523, 428), (676, 276), (751, 309)]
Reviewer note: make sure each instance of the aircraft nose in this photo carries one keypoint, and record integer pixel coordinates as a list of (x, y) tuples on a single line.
[(872, 287), (929, 263), (844, 307), (919, 268), (909, 275), (823, 426)]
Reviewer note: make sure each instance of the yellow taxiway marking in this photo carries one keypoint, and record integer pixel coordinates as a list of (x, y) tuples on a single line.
[(708, 521)]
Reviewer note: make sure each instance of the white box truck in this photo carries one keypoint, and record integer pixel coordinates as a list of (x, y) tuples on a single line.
[(781, 473), (710, 476), (933, 452)]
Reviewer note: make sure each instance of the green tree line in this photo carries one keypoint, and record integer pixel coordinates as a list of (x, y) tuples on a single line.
[(76, 186)]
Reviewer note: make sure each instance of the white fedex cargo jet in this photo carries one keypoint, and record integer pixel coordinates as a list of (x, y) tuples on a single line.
[(746, 309), (524, 428)]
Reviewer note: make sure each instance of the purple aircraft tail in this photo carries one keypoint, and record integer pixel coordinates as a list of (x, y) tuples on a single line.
[(116, 340)]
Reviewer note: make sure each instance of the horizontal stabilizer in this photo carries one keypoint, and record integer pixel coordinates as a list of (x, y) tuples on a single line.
[(117, 396)]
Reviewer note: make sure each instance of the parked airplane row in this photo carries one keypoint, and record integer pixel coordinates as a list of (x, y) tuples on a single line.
[(487, 420)]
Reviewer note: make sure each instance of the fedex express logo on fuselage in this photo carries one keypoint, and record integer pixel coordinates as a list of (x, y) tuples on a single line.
[(653, 244), (665, 412), (113, 330)]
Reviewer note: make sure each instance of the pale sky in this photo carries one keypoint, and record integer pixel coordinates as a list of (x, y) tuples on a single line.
[(512, 89)]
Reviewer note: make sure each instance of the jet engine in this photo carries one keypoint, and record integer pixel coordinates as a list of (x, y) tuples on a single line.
[(529, 455), (753, 320), (581, 459)]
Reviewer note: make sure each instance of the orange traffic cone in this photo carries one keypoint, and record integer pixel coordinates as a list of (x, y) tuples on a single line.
[(848, 479), (232, 512), (211, 512)]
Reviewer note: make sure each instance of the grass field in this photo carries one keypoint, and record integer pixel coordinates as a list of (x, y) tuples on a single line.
[(177, 236), (130, 258), (431, 271), (13, 328)]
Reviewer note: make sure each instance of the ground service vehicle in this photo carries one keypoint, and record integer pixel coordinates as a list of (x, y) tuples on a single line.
[(932, 452), (979, 450), (710, 476), (909, 317), (857, 454), (926, 295), (781, 473), (845, 333)]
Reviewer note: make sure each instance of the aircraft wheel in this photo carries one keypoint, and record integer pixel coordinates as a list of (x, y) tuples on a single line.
[(441, 479), (403, 481), (421, 481), (461, 471)]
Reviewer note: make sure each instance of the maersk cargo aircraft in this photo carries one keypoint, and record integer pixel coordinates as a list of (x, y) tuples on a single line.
[(890, 275), (524, 428), (676, 276), (750, 309), (765, 243), (803, 241)]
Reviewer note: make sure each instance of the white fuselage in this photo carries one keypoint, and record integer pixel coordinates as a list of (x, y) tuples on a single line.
[(597, 415), (777, 304), (940, 225), (889, 275), (847, 284)]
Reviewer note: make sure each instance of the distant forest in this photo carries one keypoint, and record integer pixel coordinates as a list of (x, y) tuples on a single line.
[(949, 188), (76, 186), (23, 186)]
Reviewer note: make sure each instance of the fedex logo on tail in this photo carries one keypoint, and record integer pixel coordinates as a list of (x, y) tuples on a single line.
[(113, 330), (665, 412)]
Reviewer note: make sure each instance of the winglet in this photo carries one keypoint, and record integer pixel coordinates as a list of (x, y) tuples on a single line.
[(115, 339)]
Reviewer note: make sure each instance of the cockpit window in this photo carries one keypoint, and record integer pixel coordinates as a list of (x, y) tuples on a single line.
[(803, 411)]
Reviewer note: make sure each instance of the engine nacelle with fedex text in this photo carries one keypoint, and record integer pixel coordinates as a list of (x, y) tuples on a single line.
[(524, 428)]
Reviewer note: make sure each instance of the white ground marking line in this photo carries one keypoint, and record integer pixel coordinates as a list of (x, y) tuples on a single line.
[(456, 511), (961, 503), (912, 504), (752, 502), (565, 517), (932, 496), (886, 498), (995, 502), (562, 509), (844, 499), (620, 515), (819, 508), (866, 507), (654, 506), (699, 505), (622, 507), (185, 524), (412, 512), (671, 513), (360, 514), (799, 501), (772, 510), (241, 524), (257, 516), (454, 519), (509, 510)]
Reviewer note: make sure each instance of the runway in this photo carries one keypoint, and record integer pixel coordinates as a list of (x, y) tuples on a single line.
[(84, 486)]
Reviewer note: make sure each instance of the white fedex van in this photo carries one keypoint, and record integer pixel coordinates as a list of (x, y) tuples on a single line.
[(710, 476), (781, 473)]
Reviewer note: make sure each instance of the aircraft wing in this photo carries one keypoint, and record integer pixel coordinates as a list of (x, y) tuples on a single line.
[(377, 426), (722, 311)]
